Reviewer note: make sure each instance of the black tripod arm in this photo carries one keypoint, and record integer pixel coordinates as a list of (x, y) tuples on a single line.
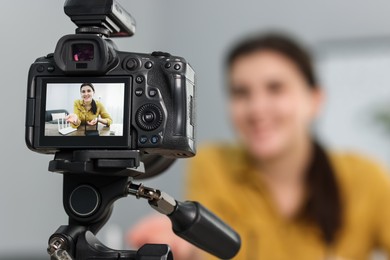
[(193, 222)]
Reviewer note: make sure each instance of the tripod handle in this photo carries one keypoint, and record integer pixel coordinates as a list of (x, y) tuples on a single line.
[(196, 224), (192, 222)]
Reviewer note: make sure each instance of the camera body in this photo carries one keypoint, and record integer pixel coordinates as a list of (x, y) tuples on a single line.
[(151, 95)]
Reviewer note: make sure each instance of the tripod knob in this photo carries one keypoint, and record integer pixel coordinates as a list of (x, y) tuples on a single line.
[(84, 200)]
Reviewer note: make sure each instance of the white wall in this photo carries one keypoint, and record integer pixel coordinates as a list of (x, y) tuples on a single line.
[(355, 75)]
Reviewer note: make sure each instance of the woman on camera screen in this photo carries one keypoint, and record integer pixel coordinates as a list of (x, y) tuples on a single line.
[(279, 188), (87, 110)]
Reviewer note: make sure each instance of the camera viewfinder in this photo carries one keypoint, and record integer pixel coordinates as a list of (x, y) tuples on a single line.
[(82, 52)]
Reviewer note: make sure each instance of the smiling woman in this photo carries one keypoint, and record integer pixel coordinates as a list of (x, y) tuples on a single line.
[(287, 196), (87, 110), (274, 98), (299, 201)]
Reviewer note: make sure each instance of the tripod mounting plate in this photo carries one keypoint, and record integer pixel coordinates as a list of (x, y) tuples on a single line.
[(98, 162)]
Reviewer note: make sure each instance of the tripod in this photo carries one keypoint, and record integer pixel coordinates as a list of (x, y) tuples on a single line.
[(94, 180)]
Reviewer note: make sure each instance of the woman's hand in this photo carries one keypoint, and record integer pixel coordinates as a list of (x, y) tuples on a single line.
[(103, 121), (92, 122), (72, 118), (157, 229)]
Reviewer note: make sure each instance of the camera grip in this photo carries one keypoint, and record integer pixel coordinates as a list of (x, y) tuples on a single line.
[(197, 225), (179, 105)]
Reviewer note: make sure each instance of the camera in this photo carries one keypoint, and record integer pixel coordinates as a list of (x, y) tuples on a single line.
[(111, 117), (144, 102)]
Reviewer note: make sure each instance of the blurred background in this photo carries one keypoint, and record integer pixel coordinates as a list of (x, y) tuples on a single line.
[(351, 42)]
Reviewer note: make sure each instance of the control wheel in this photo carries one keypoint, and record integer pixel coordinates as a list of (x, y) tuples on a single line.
[(149, 117)]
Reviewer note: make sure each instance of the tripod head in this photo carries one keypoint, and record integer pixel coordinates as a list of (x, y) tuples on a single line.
[(94, 180)]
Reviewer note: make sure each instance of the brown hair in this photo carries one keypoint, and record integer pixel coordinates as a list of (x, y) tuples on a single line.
[(323, 205), (281, 44)]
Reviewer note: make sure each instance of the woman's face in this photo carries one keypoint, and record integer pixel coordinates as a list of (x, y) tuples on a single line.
[(86, 94), (271, 104)]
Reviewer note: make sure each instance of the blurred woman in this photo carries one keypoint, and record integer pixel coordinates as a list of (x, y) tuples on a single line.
[(287, 196), (88, 111)]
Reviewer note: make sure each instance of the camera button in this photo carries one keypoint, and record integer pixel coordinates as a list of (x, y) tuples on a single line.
[(177, 67), (40, 68), (148, 65), (154, 139), (131, 64), (143, 139), (139, 79), (148, 117), (152, 92), (50, 68), (139, 92), (168, 65)]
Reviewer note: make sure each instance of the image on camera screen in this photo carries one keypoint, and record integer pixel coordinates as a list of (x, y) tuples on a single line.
[(84, 109)]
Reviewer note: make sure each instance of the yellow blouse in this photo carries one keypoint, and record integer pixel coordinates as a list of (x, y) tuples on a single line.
[(84, 115), (222, 179)]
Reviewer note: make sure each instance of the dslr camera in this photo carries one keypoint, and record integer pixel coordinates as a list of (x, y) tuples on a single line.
[(111, 117), (145, 101)]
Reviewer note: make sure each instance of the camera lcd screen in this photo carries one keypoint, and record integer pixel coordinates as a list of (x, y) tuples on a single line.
[(84, 112)]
